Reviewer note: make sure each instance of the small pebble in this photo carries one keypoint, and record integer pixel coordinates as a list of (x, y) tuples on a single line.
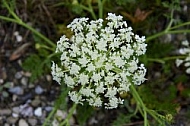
[(32, 121), (15, 115), (18, 75), (48, 77), (27, 96), (16, 90), (38, 90), (16, 109), (55, 122), (14, 97), (1, 81), (5, 112), (6, 124), (93, 121), (38, 111), (36, 102), (24, 81), (18, 36), (61, 114), (22, 122), (27, 74), (12, 120), (26, 110), (48, 108), (72, 121)]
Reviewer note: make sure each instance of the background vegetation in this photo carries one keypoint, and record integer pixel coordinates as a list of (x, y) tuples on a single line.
[(165, 24)]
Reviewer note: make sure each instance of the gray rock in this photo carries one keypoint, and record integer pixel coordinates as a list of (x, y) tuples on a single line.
[(26, 110), (61, 114), (6, 124), (12, 120), (48, 108), (18, 75), (24, 81), (36, 101), (5, 112), (22, 122), (16, 109), (39, 90), (32, 121), (16, 90), (15, 115), (38, 112)]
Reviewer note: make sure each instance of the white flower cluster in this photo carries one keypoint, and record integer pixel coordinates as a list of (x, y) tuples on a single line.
[(100, 61), (184, 51)]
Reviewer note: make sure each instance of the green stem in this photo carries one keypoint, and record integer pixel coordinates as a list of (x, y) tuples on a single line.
[(11, 12), (180, 25), (155, 116), (8, 19), (100, 8), (66, 121), (155, 36), (139, 102), (91, 9), (49, 116), (163, 60), (166, 32)]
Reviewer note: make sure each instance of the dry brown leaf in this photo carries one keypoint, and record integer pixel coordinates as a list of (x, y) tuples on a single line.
[(139, 15), (19, 51), (180, 87)]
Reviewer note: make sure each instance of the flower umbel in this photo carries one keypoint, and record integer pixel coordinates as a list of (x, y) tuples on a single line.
[(100, 61), (185, 51)]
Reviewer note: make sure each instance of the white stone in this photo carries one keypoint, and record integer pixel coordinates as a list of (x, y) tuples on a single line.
[(38, 112), (22, 122)]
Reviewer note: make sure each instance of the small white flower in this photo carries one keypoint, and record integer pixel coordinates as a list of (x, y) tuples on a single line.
[(100, 62), (96, 77), (83, 79), (186, 52), (113, 103), (69, 81), (101, 45), (133, 66), (87, 92), (100, 88), (185, 43), (83, 61), (74, 69), (111, 92), (57, 73), (75, 97), (108, 66), (96, 102), (188, 70), (90, 67), (110, 78), (178, 62)]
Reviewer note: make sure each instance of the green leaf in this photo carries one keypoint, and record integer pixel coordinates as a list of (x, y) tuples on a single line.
[(61, 100), (159, 50), (35, 65), (123, 119)]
